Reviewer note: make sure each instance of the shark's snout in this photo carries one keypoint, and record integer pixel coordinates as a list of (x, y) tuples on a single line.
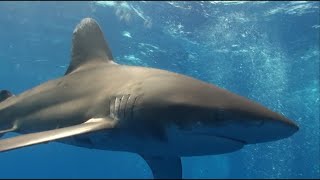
[(199, 107)]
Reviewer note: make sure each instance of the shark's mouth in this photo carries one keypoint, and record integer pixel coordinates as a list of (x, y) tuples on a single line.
[(208, 132), (220, 136), (202, 141)]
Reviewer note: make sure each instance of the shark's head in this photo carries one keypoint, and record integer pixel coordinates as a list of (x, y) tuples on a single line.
[(192, 105)]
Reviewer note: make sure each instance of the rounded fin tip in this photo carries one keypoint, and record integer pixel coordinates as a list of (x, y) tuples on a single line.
[(85, 22)]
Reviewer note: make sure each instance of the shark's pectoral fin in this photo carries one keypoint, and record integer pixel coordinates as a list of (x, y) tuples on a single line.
[(164, 167), (46, 136)]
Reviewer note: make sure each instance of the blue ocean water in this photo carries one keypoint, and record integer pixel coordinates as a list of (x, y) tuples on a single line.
[(266, 51)]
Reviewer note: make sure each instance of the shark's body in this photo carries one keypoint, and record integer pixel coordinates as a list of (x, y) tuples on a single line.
[(158, 114), (67, 101)]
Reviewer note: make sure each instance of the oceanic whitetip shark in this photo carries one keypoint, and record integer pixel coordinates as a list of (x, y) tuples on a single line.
[(157, 114)]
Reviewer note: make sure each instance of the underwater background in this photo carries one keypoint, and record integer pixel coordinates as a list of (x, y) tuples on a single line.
[(266, 51)]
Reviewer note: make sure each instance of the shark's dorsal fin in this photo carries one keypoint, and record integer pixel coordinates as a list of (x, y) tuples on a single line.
[(89, 46)]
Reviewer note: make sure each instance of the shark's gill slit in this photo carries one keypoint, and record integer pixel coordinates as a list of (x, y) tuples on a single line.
[(120, 110), (116, 107), (124, 104), (120, 105), (109, 107), (132, 107), (126, 107), (112, 107)]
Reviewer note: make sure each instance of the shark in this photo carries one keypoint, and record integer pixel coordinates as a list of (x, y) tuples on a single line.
[(157, 114)]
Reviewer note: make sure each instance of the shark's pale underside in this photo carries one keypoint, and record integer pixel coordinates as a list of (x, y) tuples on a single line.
[(157, 114)]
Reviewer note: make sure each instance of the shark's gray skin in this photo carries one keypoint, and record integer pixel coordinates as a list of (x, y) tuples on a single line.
[(157, 114)]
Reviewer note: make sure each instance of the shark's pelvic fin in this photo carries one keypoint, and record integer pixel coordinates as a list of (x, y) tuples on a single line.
[(4, 94), (46, 136), (164, 167), (88, 46)]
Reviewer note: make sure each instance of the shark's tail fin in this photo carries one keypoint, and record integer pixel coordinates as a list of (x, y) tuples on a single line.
[(4, 94)]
